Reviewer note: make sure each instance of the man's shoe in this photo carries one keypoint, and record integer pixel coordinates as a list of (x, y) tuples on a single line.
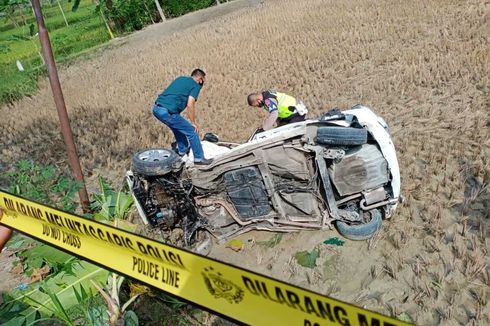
[(183, 154), (204, 162)]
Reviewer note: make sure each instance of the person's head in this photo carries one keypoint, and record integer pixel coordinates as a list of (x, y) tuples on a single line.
[(255, 99), (199, 76)]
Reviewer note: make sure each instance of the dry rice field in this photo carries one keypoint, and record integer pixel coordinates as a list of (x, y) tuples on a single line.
[(424, 65)]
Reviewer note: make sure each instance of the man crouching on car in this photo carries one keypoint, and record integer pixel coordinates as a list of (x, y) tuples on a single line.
[(182, 94), (282, 108)]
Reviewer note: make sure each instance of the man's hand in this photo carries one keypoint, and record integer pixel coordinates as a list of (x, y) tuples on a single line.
[(196, 126), (191, 111)]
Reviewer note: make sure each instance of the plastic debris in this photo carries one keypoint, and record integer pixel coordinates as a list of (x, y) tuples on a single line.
[(334, 241), (307, 259), (22, 286), (235, 245), (19, 65)]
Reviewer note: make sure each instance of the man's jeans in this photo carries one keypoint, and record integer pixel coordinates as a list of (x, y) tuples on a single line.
[(184, 132)]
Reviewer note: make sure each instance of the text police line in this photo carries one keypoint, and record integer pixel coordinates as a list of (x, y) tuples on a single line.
[(214, 285), (96, 232)]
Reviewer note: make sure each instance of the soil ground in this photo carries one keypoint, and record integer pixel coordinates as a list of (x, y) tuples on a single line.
[(422, 65)]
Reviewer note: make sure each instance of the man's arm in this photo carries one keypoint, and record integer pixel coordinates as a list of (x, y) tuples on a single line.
[(191, 112), (269, 121), (271, 106)]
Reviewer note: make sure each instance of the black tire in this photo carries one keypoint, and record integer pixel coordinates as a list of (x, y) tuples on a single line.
[(361, 231), (341, 136), (156, 162)]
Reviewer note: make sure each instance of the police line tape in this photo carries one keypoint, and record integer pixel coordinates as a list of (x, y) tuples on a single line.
[(240, 294)]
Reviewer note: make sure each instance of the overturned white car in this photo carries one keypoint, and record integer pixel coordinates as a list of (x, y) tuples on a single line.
[(340, 169)]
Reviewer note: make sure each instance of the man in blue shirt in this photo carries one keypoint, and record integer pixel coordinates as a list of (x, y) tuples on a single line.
[(182, 94)]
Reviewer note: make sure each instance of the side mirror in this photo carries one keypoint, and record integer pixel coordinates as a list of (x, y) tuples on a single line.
[(211, 137)]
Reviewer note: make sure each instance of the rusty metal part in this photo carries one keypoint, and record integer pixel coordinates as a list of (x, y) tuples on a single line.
[(386, 202), (349, 215), (268, 224), (269, 184), (334, 154), (60, 106), (346, 199), (375, 196), (251, 227), (325, 218), (226, 205), (302, 219), (299, 224), (327, 186)]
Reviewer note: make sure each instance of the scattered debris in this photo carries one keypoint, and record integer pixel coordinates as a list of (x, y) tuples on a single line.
[(334, 241), (17, 269), (235, 244), (307, 259), (405, 317), (22, 286), (39, 273), (272, 242)]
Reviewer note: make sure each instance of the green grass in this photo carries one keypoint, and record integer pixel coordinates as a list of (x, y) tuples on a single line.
[(86, 30)]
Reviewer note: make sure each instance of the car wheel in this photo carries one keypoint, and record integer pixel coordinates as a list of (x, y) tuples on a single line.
[(155, 162), (361, 231), (341, 136)]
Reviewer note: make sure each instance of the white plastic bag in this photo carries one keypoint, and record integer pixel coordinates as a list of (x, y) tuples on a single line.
[(301, 108)]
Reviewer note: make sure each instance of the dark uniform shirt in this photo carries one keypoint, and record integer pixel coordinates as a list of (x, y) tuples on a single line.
[(270, 100), (174, 97)]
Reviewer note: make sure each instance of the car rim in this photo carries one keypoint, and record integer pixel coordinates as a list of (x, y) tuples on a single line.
[(154, 155)]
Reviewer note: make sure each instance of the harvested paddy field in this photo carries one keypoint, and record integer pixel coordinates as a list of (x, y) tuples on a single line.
[(422, 65)]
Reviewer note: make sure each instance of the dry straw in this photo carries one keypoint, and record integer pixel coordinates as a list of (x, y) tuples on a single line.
[(423, 65)]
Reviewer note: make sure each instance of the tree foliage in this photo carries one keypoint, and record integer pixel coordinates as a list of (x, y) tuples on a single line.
[(175, 8), (130, 15)]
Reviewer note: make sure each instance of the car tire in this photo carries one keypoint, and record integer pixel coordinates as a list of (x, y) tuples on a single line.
[(361, 231), (341, 136), (156, 162)]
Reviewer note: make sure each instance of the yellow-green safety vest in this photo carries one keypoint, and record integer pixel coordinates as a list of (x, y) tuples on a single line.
[(284, 101)]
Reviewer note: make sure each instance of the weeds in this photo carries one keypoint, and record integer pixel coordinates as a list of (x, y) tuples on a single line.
[(55, 295), (111, 205), (59, 281), (272, 242), (43, 184), (117, 313)]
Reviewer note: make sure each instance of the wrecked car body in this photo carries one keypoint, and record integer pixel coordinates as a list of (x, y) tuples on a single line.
[(338, 170)]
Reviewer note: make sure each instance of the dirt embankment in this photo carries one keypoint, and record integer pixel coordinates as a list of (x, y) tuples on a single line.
[(422, 65)]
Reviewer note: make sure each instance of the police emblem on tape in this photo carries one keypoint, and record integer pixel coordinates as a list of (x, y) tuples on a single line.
[(219, 287)]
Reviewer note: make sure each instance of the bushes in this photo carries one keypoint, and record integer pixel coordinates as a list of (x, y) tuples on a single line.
[(16, 84), (130, 15), (175, 8)]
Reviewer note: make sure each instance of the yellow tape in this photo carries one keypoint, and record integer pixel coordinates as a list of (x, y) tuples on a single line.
[(231, 291)]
